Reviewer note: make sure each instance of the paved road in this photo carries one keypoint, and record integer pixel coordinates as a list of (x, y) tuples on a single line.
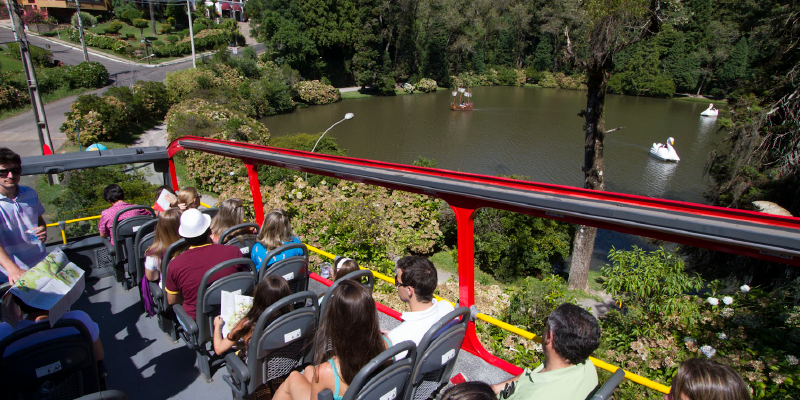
[(20, 134)]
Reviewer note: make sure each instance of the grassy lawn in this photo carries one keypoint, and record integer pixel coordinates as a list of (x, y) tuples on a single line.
[(355, 95), (126, 29), (9, 63)]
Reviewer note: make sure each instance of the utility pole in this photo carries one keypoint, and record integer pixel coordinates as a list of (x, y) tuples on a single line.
[(152, 18), (30, 77), (80, 28), (191, 33)]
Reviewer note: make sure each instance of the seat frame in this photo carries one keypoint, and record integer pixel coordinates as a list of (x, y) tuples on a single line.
[(297, 278), (198, 333), (355, 275), (123, 249)]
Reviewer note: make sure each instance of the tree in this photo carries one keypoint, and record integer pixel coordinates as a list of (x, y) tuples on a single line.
[(612, 25), (36, 16), (142, 24)]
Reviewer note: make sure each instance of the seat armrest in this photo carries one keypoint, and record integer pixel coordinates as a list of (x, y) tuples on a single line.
[(325, 394), (188, 323), (239, 376), (111, 250)]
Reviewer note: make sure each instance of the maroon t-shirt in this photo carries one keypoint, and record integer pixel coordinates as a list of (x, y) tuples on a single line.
[(186, 271)]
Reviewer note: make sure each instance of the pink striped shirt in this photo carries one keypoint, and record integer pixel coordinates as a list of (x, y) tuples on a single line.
[(106, 224)]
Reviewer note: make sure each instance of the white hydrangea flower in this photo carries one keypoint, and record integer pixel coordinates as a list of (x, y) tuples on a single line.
[(744, 288), (728, 300), (689, 339), (792, 360), (713, 301), (722, 336), (708, 351)]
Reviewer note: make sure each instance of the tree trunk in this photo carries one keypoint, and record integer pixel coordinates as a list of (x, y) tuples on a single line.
[(593, 166), (152, 18)]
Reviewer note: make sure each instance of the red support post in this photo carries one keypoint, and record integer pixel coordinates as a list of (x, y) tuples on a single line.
[(173, 174), (466, 286), (255, 191)]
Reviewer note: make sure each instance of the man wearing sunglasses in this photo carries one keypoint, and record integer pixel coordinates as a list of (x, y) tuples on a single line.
[(22, 227), (416, 280), (571, 335)]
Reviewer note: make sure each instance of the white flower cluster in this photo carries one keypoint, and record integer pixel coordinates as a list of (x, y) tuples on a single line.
[(708, 351), (713, 301), (722, 336), (792, 360), (689, 339), (728, 300), (744, 288)]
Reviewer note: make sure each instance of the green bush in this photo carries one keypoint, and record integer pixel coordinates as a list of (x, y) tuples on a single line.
[(153, 98), (427, 85), (158, 43), (315, 92), (140, 24), (103, 42), (165, 28), (131, 14), (386, 85), (98, 119), (12, 97), (173, 38), (113, 27), (40, 57), (52, 79), (270, 176), (509, 244), (124, 94), (90, 74), (87, 19), (268, 96)]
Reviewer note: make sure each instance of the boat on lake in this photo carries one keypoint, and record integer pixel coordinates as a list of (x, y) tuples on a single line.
[(464, 102), (710, 111), (665, 151)]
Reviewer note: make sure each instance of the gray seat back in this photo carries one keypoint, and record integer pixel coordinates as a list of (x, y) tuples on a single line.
[(209, 295), (294, 269), (437, 353), (235, 236), (377, 380), (605, 392)]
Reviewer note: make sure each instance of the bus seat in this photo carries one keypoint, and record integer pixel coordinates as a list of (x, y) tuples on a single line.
[(244, 241), (211, 212), (375, 382), (356, 275), (58, 368), (141, 241), (279, 345), (105, 395), (124, 232), (166, 317), (605, 391), (437, 353), (3, 289), (294, 269), (199, 334)]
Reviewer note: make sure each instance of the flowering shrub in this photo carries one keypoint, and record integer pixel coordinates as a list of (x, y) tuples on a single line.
[(96, 118), (204, 40), (427, 85), (88, 74), (408, 88), (372, 225), (153, 98), (559, 80), (181, 83), (315, 92), (12, 97), (503, 76), (95, 40), (199, 117)]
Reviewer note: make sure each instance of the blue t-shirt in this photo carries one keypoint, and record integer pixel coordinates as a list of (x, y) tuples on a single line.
[(259, 252), (16, 216)]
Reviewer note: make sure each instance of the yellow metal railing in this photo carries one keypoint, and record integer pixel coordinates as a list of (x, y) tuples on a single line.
[(528, 335)]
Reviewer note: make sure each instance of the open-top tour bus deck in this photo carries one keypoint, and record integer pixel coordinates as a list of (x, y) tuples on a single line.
[(144, 362)]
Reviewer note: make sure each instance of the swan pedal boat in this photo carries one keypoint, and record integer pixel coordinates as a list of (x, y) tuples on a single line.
[(665, 152), (710, 111)]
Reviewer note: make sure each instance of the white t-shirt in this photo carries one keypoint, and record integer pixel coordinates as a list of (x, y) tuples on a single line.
[(43, 336), (153, 264), (416, 323)]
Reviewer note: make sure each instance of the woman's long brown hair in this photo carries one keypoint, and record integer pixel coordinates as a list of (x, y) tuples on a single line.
[(269, 290), (166, 233), (229, 215), (351, 325), (275, 229), (703, 379)]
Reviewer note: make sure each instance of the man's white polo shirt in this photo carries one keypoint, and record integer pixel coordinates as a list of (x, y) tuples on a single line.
[(416, 323)]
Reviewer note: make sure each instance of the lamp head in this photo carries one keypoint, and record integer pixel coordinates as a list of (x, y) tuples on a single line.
[(349, 116)]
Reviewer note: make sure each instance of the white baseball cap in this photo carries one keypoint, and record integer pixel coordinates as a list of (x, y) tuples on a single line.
[(193, 223)]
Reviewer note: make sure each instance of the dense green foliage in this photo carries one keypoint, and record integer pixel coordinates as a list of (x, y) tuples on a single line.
[(92, 119), (86, 19), (88, 74), (40, 57)]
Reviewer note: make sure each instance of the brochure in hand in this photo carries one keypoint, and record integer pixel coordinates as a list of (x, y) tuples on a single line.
[(234, 306), (54, 284)]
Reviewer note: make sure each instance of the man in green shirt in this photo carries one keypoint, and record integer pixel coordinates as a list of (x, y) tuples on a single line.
[(571, 334)]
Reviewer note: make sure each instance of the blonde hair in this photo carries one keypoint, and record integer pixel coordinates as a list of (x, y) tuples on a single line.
[(230, 213), (189, 197), (166, 233), (275, 230), (702, 379)]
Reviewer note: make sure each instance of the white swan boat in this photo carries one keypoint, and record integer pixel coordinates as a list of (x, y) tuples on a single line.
[(665, 151), (710, 111)]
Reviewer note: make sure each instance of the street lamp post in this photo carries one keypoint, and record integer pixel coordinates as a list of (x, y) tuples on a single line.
[(132, 76), (346, 117)]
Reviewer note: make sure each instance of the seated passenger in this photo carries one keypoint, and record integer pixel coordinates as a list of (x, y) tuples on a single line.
[(275, 232), (171, 198), (188, 198), (469, 391), (703, 379), (230, 214), (342, 266), (350, 323), (416, 280), (29, 315), (570, 336), (166, 233), (114, 195), (269, 290), (186, 270)]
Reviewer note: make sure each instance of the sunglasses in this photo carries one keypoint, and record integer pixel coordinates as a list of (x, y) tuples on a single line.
[(397, 281), (508, 390), (4, 172)]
